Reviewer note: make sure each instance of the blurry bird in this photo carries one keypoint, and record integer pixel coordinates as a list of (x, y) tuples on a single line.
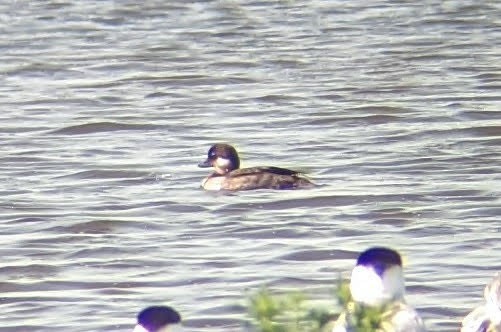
[(377, 284), (487, 317)]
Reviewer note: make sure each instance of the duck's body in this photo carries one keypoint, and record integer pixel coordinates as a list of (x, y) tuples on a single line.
[(377, 283), (228, 176), (396, 317), (487, 317)]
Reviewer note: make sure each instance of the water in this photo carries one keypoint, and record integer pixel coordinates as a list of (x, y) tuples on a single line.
[(393, 108)]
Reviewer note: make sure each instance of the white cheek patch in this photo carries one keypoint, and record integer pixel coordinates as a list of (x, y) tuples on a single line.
[(365, 286), (139, 328), (222, 163), (369, 288)]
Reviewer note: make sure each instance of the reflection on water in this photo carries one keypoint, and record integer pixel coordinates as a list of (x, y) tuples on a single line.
[(392, 108)]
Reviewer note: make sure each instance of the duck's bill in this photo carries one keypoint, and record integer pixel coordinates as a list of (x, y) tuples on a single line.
[(205, 163)]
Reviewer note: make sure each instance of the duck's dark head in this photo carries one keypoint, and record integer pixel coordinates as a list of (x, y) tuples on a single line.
[(223, 157)]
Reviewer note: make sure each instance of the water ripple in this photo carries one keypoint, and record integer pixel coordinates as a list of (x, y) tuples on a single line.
[(109, 106)]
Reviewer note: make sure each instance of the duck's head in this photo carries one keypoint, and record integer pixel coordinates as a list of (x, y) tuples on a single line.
[(158, 319), (223, 157), (378, 277)]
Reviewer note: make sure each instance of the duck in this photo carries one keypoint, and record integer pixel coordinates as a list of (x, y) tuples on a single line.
[(158, 319), (487, 317), (377, 283), (229, 176)]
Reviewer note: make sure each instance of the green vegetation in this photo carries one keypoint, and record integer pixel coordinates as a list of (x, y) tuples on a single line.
[(364, 319), (285, 313), (289, 312)]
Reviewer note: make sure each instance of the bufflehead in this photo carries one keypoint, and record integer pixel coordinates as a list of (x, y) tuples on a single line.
[(229, 176), (377, 281)]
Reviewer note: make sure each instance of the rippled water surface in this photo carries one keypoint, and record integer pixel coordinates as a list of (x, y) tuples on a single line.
[(393, 109)]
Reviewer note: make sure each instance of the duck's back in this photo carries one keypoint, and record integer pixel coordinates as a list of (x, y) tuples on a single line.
[(264, 177)]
